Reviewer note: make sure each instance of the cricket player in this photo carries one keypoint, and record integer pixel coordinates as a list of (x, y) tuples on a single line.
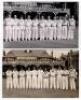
[(45, 79), (49, 33), (28, 78), (22, 79), (8, 28), (54, 28), (15, 28), (65, 29), (59, 28), (42, 28), (59, 78), (9, 79), (21, 33), (40, 79), (72, 24), (15, 78), (34, 78), (53, 78), (65, 78), (28, 32), (72, 77), (35, 29)]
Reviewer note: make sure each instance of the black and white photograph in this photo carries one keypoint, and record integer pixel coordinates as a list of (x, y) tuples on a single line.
[(40, 73), (40, 24)]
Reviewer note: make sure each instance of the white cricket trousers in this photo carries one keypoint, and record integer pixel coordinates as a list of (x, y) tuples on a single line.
[(45, 83), (28, 82), (59, 32), (42, 33), (15, 83), (39, 82), (64, 32), (59, 82), (54, 32), (71, 32), (65, 83), (9, 82), (22, 82), (34, 82), (35, 33), (52, 82), (28, 33), (72, 84), (8, 33)]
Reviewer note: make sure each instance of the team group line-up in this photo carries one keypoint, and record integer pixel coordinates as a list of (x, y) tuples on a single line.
[(43, 29), (41, 79)]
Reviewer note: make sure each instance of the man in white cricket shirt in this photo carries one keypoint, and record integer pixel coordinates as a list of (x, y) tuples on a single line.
[(34, 78), (46, 79), (72, 77), (8, 28), (42, 28), (54, 28), (35, 29), (22, 79), (15, 28), (9, 79), (28, 78), (15, 78), (53, 78), (21, 33), (28, 32), (72, 24), (40, 79)]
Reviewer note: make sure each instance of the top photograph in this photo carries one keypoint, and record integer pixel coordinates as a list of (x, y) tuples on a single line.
[(40, 24)]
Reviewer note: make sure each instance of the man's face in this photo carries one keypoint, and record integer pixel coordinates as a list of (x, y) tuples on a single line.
[(48, 17), (28, 17), (9, 16), (42, 17), (15, 16)]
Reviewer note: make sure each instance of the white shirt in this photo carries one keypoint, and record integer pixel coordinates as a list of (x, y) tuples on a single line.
[(28, 23), (9, 73), (15, 74)]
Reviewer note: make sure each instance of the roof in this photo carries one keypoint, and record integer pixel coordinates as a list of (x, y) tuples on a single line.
[(31, 53)]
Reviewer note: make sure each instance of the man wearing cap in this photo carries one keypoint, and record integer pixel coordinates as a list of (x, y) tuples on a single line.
[(15, 28), (59, 28), (72, 77), (40, 79), (34, 78), (15, 78), (71, 31), (8, 28), (28, 78), (9, 79), (54, 28), (59, 78), (65, 29), (53, 78), (65, 78), (46, 79), (35, 29), (28, 32), (21, 33), (49, 34), (42, 28), (22, 79)]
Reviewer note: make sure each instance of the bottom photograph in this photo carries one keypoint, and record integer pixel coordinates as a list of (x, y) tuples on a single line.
[(40, 73)]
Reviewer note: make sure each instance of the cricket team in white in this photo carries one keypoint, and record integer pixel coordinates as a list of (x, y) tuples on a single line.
[(39, 79), (44, 29)]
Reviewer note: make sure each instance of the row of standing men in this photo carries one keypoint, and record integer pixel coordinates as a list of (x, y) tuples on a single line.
[(39, 79), (19, 29)]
